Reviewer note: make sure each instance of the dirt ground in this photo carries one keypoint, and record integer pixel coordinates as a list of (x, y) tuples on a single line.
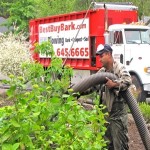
[(135, 142)]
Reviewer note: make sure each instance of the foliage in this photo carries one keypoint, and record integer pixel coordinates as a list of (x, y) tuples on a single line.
[(14, 49), (45, 117), (59, 6), (47, 7), (20, 13), (145, 109), (3, 8), (44, 48)]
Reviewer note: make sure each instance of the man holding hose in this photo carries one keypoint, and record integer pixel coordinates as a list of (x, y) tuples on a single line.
[(110, 96)]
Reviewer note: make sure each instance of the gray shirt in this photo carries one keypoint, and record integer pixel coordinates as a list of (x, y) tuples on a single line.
[(124, 80)]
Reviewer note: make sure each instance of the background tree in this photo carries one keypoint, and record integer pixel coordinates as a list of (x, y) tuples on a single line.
[(19, 13), (4, 7), (53, 7)]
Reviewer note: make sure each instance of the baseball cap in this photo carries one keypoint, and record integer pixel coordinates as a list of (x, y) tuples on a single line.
[(103, 48)]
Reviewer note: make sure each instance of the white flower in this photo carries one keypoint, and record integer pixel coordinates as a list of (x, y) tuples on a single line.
[(14, 50)]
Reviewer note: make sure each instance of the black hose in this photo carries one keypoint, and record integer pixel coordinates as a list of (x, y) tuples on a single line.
[(95, 79), (138, 117), (100, 78)]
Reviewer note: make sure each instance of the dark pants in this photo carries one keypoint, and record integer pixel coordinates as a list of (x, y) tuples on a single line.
[(117, 128)]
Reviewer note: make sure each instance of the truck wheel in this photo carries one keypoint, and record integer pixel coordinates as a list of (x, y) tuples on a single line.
[(138, 91)]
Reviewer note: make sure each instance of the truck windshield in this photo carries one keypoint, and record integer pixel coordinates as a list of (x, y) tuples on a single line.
[(137, 36)]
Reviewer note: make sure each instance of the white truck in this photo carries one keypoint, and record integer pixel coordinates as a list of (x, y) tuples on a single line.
[(131, 45)]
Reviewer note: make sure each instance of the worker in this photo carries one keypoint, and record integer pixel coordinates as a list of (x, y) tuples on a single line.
[(110, 93)]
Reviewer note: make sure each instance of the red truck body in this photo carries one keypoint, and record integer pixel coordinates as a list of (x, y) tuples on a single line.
[(65, 26)]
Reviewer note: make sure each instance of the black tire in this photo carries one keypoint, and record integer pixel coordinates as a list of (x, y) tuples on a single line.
[(139, 94)]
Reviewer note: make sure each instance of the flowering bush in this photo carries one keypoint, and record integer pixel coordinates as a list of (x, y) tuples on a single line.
[(14, 50), (49, 116)]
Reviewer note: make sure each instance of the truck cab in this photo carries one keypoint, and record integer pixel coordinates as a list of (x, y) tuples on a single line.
[(131, 46)]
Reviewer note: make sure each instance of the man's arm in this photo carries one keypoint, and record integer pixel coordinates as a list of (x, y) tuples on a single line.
[(123, 81), (111, 84)]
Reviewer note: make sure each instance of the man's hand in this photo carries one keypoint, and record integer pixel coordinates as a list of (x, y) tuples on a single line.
[(110, 84)]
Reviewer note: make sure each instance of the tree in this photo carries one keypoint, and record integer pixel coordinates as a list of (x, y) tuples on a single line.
[(53, 7), (4, 7), (20, 12)]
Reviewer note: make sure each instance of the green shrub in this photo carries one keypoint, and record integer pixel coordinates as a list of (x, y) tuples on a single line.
[(46, 118), (145, 109)]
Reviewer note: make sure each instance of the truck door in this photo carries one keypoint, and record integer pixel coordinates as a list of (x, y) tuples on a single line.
[(116, 38)]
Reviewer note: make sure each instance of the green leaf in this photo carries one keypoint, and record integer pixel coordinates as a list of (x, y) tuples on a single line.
[(5, 136), (15, 146), (71, 118), (10, 92), (15, 123), (55, 100), (7, 147), (35, 114)]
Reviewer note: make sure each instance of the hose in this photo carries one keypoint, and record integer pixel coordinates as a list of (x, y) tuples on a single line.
[(100, 78)]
